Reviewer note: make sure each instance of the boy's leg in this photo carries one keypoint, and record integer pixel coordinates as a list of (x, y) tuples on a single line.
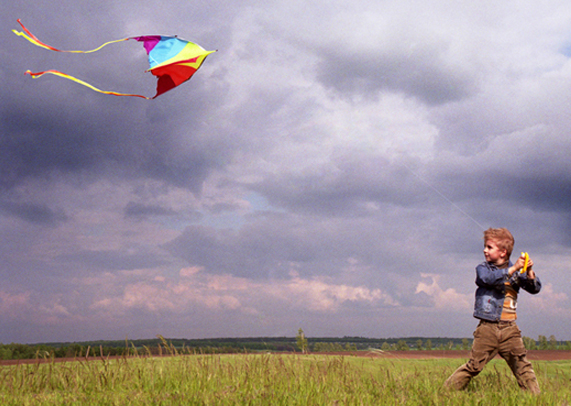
[(513, 351), (484, 348)]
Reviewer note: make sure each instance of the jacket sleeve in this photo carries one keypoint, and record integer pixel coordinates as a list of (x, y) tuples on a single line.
[(531, 286), (491, 277)]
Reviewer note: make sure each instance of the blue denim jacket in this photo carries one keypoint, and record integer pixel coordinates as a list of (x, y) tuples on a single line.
[(491, 290)]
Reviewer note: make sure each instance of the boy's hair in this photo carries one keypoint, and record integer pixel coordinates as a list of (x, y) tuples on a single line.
[(502, 237)]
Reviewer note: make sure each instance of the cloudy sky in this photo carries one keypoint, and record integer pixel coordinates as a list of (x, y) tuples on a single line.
[(331, 167)]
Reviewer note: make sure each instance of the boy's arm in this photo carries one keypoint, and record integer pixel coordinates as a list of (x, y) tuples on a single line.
[(491, 278), (529, 280), (531, 285)]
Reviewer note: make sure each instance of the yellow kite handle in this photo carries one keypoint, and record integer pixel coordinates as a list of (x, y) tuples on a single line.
[(524, 269)]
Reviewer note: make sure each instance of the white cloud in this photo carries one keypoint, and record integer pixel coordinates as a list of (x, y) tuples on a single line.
[(11, 304), (550, 300), (197, 289), (319, 295), (448, 299)]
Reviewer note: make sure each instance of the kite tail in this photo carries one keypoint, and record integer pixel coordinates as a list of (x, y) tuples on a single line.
[(36, 75), (34, 40)]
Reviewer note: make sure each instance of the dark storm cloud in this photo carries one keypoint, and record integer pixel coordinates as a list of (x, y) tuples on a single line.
[(272, 245), (426, 76), (525, 175), (39, 145), (139, 211), (345, 188), (261, 250), (550, 193), (113, 260), (116, 137), (34, 213)]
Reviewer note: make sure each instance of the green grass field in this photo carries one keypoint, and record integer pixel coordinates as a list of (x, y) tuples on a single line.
[(271, 379)]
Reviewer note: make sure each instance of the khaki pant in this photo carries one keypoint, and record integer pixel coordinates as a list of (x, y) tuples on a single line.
[(490, 339)]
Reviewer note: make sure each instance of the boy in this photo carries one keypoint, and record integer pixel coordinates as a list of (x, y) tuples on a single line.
[(498, 282)]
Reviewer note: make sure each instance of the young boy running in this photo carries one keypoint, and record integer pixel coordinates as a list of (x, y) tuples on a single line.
[(499, 282)]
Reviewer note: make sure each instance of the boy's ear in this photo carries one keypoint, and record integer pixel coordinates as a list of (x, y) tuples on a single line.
[(504, 253)]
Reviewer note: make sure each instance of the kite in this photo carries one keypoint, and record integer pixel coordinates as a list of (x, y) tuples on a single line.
[(171, 59)]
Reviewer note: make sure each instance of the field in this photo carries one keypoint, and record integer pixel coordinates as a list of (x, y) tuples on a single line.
[(366, 378)]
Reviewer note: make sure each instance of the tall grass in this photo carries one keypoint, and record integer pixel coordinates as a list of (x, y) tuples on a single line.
[(270, 379)]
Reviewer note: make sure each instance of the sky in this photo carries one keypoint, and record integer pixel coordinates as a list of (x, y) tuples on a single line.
[(332, 167)]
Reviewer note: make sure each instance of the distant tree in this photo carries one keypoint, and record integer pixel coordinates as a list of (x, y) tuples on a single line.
[(5, 353), (543, 345), (419, 344), (529, 343), (301, 341), (552, 342), (402, 345), (386, 346), (465, 344), (428, 344)]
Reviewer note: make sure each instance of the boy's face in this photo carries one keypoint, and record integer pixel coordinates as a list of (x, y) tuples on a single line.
[(493, 253)]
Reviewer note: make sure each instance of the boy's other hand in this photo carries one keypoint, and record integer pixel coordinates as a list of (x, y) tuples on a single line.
[(530, 273)]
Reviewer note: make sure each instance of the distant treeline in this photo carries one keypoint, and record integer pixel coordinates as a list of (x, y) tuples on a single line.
[(162, 346)]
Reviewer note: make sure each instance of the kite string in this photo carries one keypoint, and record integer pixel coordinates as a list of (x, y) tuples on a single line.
[(444, 197)]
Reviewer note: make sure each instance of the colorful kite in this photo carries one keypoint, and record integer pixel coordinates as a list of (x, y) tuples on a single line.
[(172, 60)]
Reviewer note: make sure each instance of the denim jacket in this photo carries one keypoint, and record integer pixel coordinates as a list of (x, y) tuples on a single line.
[(491, 290)]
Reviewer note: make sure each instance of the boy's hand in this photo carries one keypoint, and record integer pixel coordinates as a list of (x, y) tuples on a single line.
[(520, 263)]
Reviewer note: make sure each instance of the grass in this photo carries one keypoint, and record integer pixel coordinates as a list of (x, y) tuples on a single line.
[(270, 379)]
